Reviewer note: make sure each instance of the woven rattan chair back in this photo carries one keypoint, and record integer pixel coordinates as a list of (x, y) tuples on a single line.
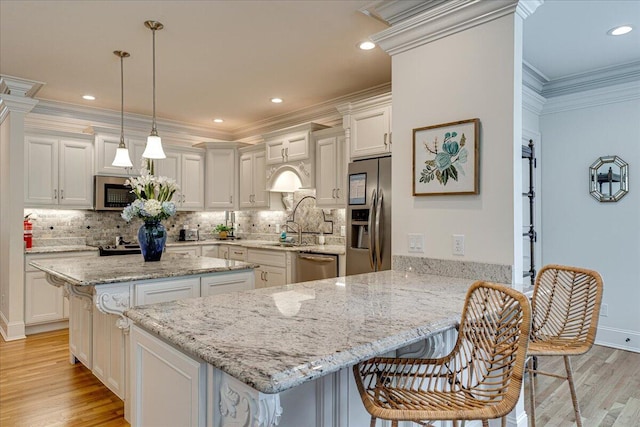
[(480, 379), (565, 305)]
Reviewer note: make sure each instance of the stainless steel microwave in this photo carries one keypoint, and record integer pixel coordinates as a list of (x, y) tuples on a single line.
[(111, 193)]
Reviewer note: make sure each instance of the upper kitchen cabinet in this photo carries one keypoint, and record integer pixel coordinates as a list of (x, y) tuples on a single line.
[(186, 166), (253, 193), (331, 167), (367, 125), (58, 172), (105, 151), (221, 176), (291, 144)]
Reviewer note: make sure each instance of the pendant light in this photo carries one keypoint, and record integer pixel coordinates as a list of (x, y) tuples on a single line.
[(122, 158), (154, 150)]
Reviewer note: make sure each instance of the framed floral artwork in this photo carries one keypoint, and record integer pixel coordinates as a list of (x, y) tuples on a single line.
[(446, 158)]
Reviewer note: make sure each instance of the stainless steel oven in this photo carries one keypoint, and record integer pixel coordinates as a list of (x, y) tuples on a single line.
[(111, 193)]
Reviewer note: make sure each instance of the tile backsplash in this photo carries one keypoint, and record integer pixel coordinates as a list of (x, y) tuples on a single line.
[(102, 228)]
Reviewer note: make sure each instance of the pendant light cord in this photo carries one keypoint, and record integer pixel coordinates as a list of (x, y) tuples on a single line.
[(121, 99), (153, 126)]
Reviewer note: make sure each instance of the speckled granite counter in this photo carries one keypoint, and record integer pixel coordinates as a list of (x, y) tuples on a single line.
[(266, 244), (60, 249), (274, 339), (127, 268)]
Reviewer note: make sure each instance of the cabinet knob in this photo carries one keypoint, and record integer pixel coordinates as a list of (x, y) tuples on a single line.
[(337, 193), (55, 194), (385, 138), (230, 199)]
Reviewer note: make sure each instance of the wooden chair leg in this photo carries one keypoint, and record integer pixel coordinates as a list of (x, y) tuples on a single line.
[(485, 423), (373, 422), (394, 423), (572, 388), (532, 394), (504, 421)]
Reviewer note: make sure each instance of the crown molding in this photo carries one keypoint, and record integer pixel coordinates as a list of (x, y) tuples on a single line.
[(591, 98), (602, 77), (19, 87), (443, 19), (91, 116), (532, 100), (392, 12), (325, 113)]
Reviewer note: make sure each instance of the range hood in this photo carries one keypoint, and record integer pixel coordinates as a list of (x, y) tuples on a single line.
[(288, 178)]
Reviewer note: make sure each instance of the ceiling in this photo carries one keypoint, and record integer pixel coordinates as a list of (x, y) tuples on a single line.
[(228, 58)]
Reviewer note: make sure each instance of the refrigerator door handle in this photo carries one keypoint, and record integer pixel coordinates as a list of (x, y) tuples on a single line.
[(379, 233), (372, 214)]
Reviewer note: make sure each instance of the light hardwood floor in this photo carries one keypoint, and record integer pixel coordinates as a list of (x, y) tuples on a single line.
[(39, 387)]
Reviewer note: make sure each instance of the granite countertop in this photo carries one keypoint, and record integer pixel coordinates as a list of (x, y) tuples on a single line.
[(59, 249), (277, 338), (266, 244), (126, 268)]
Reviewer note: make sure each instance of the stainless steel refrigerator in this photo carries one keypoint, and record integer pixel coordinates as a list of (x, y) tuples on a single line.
[(369, 216)]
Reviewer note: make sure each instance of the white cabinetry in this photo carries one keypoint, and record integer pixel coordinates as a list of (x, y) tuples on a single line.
[(232, 252), (221, 176), (253, 193), (81, 330), (331, 168), (58, 172), (275, 267), (108, 365), (210, 251), (368, 126), (160, 373), (221, 283), (186, 250), (288, 148), (167, 290), (106, 145), (46, 307), (186, 166)]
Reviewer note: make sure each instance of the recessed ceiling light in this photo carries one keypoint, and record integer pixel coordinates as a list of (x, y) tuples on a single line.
[(276, 100), (618, 31), (89, 97), (218, 120), (366, 45)]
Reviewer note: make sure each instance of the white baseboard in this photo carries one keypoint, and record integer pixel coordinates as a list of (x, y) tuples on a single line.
[(618, 338), (46, 327), (11, 331)]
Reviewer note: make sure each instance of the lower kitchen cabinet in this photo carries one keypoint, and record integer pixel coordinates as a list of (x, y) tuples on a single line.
[(169, 290), (235, 253), (46, 307), (107, 365), (81, 330), (186, 250), (210, 251), (275, 267), (221, 283)]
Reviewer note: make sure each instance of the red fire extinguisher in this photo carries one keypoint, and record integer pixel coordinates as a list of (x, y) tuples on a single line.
[(28, 232)]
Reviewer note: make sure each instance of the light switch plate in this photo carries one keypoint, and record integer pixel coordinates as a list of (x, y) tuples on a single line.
[(458, 244), (343, 230), (416, 243)]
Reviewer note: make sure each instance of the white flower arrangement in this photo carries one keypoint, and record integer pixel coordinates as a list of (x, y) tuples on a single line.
[(153, 195)]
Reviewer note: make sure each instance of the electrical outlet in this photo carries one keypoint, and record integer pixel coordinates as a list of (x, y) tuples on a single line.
[(343, 231), (416, 243), (604, 310), (458, 244), (277, 228)]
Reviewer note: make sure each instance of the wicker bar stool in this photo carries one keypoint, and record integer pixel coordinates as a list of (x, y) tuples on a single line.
[(565, 306), (479, 380)]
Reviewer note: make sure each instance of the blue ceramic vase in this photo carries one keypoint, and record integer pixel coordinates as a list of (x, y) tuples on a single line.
[(152, 237)]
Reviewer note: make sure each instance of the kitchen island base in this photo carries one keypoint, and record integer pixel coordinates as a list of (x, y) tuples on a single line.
[(169, 387)]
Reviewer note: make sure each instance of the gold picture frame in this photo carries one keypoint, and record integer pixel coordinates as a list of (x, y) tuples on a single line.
[(446, 159)]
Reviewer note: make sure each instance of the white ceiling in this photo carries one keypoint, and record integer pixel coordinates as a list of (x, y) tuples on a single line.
[(228, 58)]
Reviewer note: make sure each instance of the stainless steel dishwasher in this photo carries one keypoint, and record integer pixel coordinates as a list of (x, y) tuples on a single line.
[(315, 266)]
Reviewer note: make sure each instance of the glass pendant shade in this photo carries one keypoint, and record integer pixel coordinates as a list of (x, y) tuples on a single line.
[(154, 150), (122, 158)]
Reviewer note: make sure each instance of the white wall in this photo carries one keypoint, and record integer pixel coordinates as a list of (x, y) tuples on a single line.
[(577, 229), (475, 73)]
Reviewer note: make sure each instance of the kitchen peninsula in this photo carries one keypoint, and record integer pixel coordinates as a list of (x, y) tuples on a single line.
[(101, 288), (283, 355)]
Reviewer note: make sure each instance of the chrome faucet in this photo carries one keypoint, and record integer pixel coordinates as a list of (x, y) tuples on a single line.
[(298, 231)]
